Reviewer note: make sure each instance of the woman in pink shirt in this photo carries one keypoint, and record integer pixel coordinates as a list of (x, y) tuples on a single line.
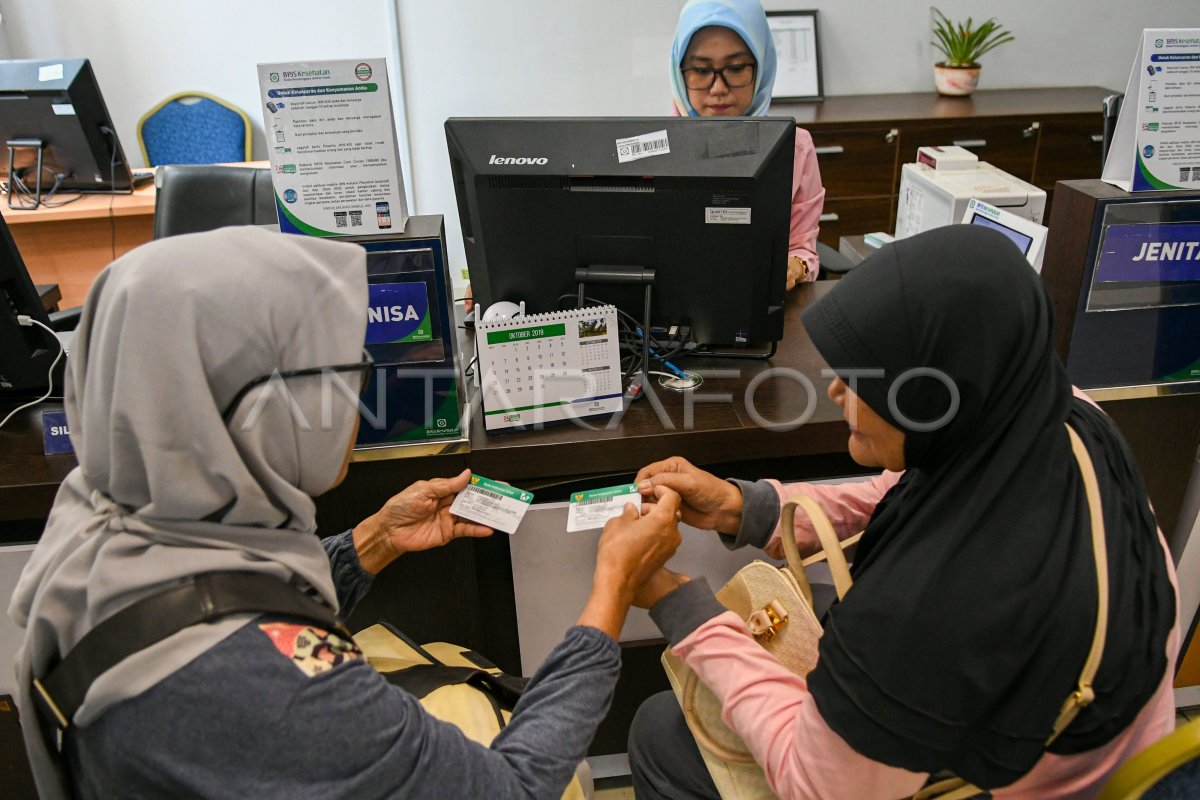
[(723, 65), (973, 605)]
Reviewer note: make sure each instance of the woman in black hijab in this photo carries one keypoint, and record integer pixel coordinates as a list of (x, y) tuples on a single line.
[(975, 586)]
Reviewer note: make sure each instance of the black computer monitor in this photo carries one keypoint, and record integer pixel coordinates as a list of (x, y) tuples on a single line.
[(58, 103), (705, 203), (26, 353)]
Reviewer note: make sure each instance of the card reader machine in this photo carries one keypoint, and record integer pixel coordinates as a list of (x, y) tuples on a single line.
[(416, 394)]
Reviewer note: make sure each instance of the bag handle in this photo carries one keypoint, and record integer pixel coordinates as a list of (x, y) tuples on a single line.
[(1084, 694), (795, 566), (829, 542), (705, 739)]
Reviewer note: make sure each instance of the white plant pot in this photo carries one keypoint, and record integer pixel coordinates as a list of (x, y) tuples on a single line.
[(955, 81)]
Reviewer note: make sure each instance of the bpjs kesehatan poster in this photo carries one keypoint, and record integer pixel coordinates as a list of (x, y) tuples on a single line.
[(1156, 145), (332, 143)]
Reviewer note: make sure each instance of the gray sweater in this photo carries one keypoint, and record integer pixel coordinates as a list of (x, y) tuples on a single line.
[(242, 721)]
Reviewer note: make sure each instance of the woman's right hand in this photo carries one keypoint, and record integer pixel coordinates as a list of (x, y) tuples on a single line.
[(708, 502), (632, 549)]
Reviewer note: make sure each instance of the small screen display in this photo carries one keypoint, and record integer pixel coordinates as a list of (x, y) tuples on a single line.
[(1019, 239)]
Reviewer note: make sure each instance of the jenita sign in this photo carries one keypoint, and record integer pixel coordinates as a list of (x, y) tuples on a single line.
[(332, 143), (1147, 265), (1156, 144), (1150, 254)]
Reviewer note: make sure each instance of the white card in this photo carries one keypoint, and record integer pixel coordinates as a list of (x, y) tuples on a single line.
[(492, 503), (590, 510)]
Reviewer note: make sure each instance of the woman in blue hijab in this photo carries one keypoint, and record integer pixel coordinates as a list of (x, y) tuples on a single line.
[(723, 64)]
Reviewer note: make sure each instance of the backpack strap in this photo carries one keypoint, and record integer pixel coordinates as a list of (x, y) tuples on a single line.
[(201, 598)]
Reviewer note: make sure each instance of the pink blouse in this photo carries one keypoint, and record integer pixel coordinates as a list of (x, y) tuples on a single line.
[(808, 199), (802, 756)]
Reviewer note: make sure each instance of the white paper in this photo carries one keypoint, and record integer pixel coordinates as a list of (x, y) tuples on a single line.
[(50, 72), (796, 52)]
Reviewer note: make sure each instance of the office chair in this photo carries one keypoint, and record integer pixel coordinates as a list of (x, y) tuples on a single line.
[(194, 198), (1169, 769), (832, 262), (194, 128)]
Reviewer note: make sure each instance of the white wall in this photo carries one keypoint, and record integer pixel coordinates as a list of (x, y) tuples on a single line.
[(538, 57)]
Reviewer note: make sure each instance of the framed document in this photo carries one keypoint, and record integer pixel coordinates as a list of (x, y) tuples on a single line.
[(798, 76)]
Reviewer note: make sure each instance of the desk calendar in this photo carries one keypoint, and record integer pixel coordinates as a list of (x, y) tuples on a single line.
[(549, 367)]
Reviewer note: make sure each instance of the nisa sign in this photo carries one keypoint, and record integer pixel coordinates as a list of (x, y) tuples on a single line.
[(398, 312)]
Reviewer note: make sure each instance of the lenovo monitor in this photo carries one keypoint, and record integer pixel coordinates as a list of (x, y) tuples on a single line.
[(26, 352), (703, 203), (53, 108)]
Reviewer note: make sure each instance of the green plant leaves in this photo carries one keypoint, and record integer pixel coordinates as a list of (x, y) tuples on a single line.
[(964, 43)]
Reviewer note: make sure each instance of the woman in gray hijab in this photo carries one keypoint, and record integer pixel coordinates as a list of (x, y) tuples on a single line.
[(191, 463)]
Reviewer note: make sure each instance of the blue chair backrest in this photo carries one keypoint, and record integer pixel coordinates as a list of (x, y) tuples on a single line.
[(200, 132)]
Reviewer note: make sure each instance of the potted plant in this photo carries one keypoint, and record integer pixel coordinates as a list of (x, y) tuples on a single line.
[(963, 44)]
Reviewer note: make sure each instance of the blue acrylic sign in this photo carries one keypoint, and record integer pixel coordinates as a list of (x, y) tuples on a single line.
[(56, 436), (398, 312), (1149, 253)]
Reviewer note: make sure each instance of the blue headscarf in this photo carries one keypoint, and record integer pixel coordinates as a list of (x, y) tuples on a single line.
[(747, 19)]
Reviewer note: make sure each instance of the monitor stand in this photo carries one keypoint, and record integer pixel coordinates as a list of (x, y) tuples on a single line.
[(13, 181)]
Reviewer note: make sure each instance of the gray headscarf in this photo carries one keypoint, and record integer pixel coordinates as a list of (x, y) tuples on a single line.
[(164, 488)]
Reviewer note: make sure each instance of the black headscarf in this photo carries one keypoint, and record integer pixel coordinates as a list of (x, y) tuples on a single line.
[(974, 598)]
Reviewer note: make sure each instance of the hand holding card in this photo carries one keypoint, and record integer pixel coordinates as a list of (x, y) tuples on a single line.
[(418, 518)]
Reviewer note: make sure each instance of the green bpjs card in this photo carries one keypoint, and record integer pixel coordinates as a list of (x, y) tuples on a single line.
[(492, 503), (590, 510)]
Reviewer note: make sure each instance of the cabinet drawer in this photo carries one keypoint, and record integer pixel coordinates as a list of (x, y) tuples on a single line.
[(1010, 145), (1069, 150), (856, 162), (856, 216)]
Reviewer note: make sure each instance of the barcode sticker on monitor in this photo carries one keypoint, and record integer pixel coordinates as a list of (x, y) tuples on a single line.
[(644, 146)]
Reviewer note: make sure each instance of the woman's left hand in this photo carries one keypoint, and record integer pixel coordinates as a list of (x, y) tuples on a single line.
[(417, 518)]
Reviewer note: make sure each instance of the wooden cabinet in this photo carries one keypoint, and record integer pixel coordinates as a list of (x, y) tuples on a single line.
[(1039, 135)]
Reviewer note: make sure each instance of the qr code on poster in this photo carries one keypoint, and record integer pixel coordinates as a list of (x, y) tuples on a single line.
[(339, 219), (1196, 173)]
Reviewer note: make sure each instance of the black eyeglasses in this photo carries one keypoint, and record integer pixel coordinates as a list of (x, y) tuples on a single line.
[(365, 367), (735, 76)]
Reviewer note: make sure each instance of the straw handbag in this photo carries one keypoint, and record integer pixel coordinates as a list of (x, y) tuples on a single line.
[(776, 603), (777, 606)]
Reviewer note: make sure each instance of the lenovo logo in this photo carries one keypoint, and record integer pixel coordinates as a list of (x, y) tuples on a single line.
[(495, 159)]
